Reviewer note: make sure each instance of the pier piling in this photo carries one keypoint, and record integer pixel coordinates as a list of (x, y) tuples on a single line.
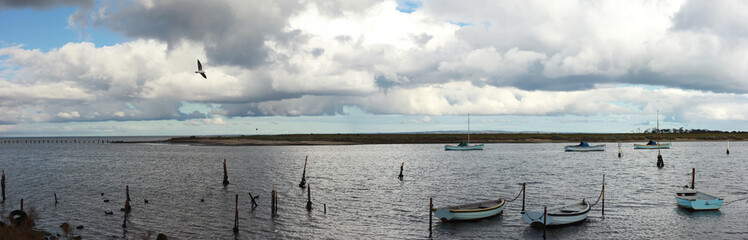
[(693, 177), (2, 182), (401, 171), (236, 215), (431, 213), (303, 174), (225, 174), (523, 196), (309, 198), (603, 194)]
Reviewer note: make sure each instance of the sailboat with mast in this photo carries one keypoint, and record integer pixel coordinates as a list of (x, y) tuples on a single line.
[(465, 145), (654, 144)]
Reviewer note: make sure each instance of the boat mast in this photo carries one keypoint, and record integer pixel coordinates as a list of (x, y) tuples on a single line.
[(468, 128), (658, 132)]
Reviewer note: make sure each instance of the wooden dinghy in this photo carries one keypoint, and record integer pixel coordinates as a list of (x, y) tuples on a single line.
[(696, 200), (470, 211), (558, 216)]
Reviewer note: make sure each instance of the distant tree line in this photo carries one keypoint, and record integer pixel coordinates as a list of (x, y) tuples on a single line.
[(695, 131)]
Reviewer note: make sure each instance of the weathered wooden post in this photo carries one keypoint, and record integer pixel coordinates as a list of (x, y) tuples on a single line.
[(431, 213), (401, 171), (3, 184), (309, 198), (272, 202), (603, 194), (254, 204), (693, 177), (127, 192), (21, 204), (545, 216), (523, 197), (325, 206), (225, 175), (236, 215), (276, 202), (55, 198), (303, 174)]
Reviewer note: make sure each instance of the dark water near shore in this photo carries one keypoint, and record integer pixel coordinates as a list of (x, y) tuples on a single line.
[(364, 198)]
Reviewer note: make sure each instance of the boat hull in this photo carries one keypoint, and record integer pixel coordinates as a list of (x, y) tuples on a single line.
[(657, 146), (576, 148), (555, 218), (463, 148), (451, 214), (704, 203)]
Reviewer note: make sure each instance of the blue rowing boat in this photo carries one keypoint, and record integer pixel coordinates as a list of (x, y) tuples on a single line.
[(584, 147), (652, 145)]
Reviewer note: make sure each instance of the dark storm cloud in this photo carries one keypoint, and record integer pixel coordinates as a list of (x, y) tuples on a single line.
[(233, 32)]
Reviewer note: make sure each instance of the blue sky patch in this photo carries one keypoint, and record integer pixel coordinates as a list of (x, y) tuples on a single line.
[(408, 6)]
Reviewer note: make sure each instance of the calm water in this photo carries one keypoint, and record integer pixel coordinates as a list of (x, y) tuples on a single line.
[(364, 198)]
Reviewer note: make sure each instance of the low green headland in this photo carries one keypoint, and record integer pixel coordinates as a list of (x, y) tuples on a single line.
[(411, 138)]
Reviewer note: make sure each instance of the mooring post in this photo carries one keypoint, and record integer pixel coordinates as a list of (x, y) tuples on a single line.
[(55, 198), (225, 175), (603, 194), (325, 205), (660, 162), (619, 153), (272, 201), (401, 171), (309, 198), (728, 147), (127, 192), (431, 206), (303, 174), (276, 202), (523, 197), (254, 204), (236, 215), (545, 216), (693, 177), (3, 184), (21, 204)]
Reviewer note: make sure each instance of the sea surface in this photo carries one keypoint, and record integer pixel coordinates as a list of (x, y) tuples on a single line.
[(364, 199)]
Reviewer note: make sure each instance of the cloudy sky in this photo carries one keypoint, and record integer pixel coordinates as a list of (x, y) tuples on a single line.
[(85, 67)]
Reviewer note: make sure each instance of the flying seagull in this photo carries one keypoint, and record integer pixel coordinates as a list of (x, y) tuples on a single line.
[(200, 69)]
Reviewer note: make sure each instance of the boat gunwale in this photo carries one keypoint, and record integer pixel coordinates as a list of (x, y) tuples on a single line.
[(501, 201), (577, 213)]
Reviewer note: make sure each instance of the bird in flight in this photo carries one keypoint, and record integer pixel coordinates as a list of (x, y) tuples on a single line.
[(200, 69)]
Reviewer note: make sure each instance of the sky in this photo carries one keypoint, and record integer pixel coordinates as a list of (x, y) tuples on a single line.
[(127, 68)]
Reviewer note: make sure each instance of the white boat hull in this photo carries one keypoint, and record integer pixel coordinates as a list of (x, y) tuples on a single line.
[(576, 148), (452, 214), (556, 217), (656, 146), (462, 148)]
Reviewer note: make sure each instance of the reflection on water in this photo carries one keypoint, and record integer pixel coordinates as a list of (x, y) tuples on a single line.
[(363, 195)]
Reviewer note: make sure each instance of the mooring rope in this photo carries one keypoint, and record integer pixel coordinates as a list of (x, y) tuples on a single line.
[(598, 199), (515, 198)]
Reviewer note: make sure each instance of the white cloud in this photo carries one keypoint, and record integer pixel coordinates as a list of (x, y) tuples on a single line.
[(315, 57)]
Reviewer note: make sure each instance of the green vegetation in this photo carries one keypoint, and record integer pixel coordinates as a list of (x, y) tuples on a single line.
[(456, 138)]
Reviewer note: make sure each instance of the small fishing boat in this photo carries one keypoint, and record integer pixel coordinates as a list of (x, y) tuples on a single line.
[(652, 145), (558, 216), (465, 145), (584, 147), (695, 200), (470, 211)]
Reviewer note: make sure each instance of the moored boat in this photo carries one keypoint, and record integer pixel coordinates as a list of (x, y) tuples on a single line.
[(584, 147), (695, 200), (558, 216), (470, 211), (464, 146), (652, 145)]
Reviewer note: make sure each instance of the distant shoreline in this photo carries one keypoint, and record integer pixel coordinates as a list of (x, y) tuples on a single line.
[(359, 139)]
